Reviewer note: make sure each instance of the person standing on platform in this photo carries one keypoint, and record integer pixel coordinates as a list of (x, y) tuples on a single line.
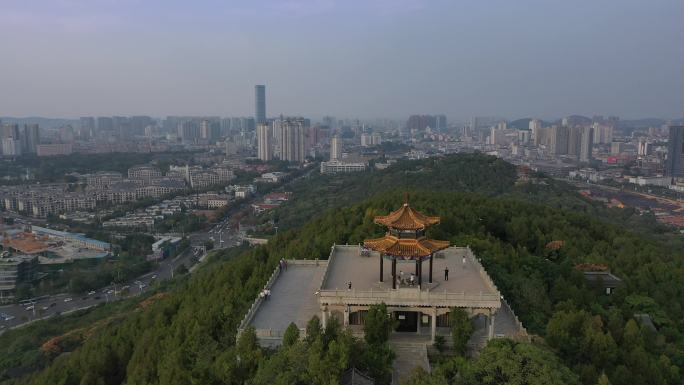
[(446, 273)]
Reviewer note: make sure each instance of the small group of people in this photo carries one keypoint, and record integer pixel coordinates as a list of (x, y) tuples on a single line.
[(410, 281), (282, 264), (265, 294)]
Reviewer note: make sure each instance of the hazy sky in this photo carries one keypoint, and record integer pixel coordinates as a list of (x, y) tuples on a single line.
[(351, 58)]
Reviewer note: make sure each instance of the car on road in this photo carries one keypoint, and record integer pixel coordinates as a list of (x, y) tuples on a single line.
[(110, 291), (53, 304), (9, 318), (154, 276), (29, 308), (68, 299), (91, 292), (44, 308)]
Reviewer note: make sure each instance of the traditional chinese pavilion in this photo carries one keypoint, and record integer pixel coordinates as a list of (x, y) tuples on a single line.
[(405, 240)]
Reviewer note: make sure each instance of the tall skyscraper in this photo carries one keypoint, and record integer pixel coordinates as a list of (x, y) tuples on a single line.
[(264, 142), (675, 153), (586, 144), (335, 148), (260, 103)]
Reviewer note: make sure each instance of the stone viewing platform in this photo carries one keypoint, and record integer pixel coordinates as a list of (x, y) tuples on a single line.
[(404, 269)]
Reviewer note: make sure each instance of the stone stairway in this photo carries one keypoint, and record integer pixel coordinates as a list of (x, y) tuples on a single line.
[(477, 341), (408, 356)]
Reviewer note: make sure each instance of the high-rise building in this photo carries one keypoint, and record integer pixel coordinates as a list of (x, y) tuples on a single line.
[(335, 148), (210, 130), (675, 152), (264, 142), (366, 140), (559, 140), (122, 126), (441, 122), (260, 103), (523, 137), (87, 126), (535, 124), (11, 147), (616, 148), (138, 124), (248, 124), (376, 139), (603, 134), (586, 143), (421, 122), (574, 137), (10, 131), (30, 138), (105, 123), (497, 136), (292, 143), (188, 131)]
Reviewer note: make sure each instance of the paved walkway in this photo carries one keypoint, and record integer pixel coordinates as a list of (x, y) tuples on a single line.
[(409, 355), (292, 298)]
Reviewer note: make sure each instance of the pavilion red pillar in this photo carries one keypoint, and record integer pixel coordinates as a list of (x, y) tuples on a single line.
[(394, 273), (430, 273), (420, 272), (381, 272)]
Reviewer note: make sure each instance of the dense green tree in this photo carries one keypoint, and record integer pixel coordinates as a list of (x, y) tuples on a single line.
[(313, 330), (377, 325), (461, 330), (507, 362), (291, 335)]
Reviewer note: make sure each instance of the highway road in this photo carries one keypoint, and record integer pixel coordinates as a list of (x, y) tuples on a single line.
[(15, 315)]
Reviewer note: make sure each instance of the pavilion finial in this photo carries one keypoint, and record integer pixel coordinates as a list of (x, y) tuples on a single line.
[(406, 198)]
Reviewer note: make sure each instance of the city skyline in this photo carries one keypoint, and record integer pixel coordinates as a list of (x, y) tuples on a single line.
[(76, 58)]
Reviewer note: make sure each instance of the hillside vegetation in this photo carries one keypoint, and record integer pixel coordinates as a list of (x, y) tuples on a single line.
[(189, 336)]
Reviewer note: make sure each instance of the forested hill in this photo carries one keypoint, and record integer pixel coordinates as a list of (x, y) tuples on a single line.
[(485, 175), (188, 335)]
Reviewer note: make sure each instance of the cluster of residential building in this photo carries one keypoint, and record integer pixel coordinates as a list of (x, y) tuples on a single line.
[(147, 217), (110, 188)]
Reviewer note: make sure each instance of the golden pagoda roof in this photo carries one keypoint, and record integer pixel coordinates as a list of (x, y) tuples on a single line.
[(405, 247), (406, 218)]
